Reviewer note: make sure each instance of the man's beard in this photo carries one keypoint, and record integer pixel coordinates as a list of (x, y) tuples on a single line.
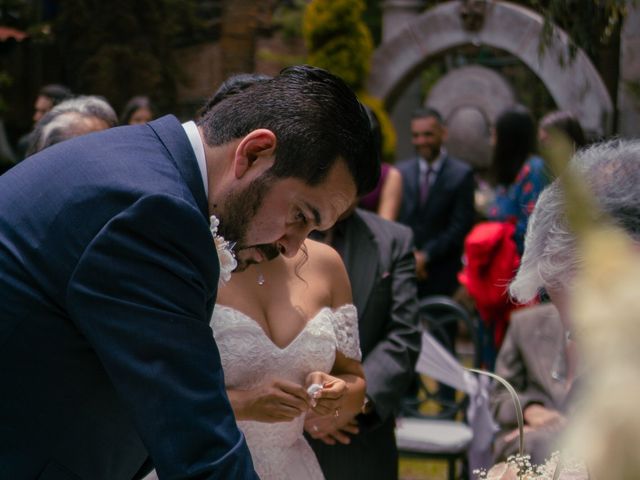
[(238, 211)]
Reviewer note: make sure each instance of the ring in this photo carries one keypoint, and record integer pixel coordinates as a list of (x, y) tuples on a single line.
[(315, 428)]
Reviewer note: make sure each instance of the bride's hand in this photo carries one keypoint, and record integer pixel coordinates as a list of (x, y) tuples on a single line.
[(276, 401), (329, 399)]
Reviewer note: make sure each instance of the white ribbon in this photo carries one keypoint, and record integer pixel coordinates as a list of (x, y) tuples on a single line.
[(438, 363)]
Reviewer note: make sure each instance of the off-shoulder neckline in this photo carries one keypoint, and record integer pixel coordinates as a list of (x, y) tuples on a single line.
[(242, 314)]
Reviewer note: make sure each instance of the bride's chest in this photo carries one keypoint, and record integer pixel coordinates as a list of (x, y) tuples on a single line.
[(249, 357)]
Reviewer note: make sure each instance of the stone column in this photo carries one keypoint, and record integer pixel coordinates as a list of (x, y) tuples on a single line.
[(396, 14), (629, 84)]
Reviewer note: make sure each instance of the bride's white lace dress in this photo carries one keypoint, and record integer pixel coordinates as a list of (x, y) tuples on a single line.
[(250, 358)]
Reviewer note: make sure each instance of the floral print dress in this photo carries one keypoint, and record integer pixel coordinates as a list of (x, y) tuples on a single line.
[(515, 203)]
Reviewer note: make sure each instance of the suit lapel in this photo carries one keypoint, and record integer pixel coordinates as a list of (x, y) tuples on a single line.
[(361, 260), (172, 135)]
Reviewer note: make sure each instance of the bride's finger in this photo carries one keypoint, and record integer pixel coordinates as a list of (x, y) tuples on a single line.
[(334, 392)]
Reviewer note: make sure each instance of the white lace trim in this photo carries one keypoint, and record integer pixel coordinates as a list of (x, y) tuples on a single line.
[(345, 326)]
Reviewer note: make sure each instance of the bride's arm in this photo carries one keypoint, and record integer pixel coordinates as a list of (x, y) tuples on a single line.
[(350, 371), (345, 389)]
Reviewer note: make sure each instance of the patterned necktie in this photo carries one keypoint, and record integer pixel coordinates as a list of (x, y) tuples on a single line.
[(425, 184)]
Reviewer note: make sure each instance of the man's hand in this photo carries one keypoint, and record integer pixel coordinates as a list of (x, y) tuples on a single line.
[(538, 416), (421, 265), (330, 429), (277, 401)]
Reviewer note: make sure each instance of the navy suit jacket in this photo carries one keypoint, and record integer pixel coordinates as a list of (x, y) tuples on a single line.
[(108, 279), (442, 223)]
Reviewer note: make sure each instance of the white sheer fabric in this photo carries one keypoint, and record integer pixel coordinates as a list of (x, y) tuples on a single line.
[(250, 358)]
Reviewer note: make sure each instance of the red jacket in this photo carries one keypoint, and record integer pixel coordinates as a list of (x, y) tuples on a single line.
[(491, 261)]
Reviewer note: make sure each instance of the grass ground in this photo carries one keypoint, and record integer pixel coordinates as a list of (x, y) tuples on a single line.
[(416, 469)]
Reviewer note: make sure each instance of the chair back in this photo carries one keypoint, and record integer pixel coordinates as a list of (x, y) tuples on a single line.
[(434, 422), (440, 315), (453, 328)]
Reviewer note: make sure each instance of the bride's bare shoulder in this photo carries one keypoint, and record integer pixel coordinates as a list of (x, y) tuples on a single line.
[(326, 261), (321, 255)]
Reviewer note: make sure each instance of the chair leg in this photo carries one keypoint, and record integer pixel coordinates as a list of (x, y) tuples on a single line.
[(452, 468)]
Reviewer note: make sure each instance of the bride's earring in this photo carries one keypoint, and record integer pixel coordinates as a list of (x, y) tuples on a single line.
[(261, 279)]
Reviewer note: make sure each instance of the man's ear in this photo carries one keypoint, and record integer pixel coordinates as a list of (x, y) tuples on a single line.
[(255, 150)]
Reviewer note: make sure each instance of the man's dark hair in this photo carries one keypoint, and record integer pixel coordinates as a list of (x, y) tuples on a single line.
[(316, 118), (57, 93), (232, 85), (427, 112)]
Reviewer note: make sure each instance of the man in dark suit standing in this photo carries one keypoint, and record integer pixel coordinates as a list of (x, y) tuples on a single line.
[(109, 275), (378, 255), (437, 203)]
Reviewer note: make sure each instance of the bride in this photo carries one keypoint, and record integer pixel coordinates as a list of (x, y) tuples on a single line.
[(282, 326)]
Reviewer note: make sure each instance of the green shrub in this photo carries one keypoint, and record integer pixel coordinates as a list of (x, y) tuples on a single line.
[(338, 40)]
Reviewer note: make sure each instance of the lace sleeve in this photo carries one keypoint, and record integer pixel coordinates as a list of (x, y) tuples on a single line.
[(345, 326)]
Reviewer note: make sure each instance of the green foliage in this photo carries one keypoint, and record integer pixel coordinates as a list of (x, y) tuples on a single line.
[(386, 127), (119, 49), (346, 56), (337, 39), (288, 19), (589, 23), (633, 87)]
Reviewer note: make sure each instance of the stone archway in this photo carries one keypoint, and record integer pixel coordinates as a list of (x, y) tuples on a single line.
[(470, 98), (576, 87)]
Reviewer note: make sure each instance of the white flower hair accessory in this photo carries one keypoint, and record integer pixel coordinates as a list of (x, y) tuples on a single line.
[(227, 258)]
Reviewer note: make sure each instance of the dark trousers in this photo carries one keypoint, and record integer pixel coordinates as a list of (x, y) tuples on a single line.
[(371, 455)]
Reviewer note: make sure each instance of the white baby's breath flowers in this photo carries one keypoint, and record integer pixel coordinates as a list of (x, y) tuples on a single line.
[(224, 248), (519, 467)]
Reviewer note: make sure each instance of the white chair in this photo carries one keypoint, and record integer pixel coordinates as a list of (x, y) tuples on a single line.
[(465, 430)]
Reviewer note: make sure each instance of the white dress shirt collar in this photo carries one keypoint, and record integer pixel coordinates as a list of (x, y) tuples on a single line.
[(436, 165), (193, 134)]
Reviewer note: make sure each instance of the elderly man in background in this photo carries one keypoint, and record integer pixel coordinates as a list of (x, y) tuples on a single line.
[(539, 357), (72, 118), (48, 97)]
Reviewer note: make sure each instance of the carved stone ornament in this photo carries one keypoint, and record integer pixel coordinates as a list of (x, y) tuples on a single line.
[(472, 13)]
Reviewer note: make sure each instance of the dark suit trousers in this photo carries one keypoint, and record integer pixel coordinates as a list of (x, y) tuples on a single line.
[(358, 460)]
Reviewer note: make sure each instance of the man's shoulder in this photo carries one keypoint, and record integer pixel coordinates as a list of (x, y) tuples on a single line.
[(406, 165), (379, 226), (543, 316), (458, 165)]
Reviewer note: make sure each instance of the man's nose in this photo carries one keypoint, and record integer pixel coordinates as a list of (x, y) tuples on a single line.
[(291, 242)]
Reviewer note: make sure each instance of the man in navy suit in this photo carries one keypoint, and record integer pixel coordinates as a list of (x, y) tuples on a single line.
[(109, 275), (437, 203)]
